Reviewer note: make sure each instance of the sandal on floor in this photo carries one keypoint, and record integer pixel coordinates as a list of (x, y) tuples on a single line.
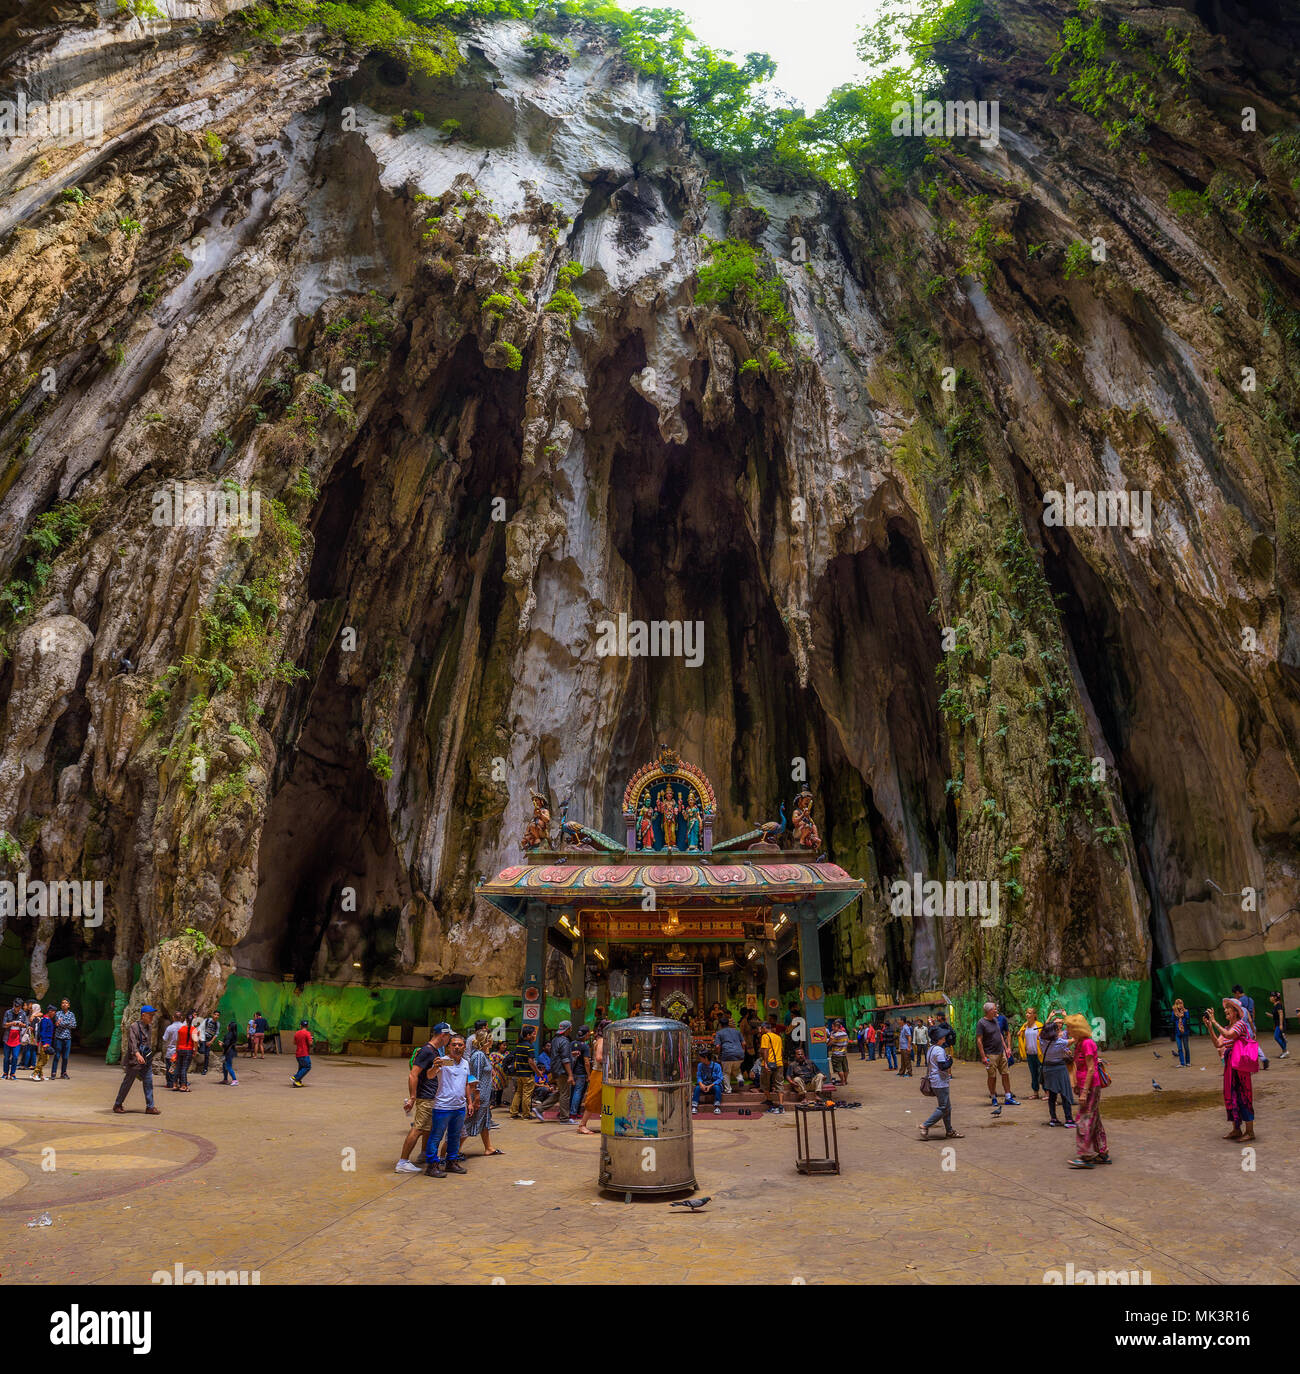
[(1081, 1164), (487, 1154), (953, 1135)]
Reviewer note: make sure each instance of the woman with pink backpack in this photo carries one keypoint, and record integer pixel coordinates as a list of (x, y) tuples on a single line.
[(1240, 1054)]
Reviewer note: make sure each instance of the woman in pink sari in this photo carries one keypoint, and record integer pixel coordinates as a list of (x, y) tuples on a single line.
[(1089, 1134), (1238, 1088)]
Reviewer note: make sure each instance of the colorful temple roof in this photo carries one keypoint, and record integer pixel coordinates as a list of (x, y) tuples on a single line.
[(670, 854)]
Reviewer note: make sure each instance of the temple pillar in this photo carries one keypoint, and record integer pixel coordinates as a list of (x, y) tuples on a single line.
[(812, 991), (578, 983), (534, 989)]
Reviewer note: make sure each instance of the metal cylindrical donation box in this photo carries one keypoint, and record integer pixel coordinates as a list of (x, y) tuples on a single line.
[(645, 1107)]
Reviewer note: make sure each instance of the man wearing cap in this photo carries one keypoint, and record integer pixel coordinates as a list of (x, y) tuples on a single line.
[(421, 1090), (561, 1074), (137, 1062)]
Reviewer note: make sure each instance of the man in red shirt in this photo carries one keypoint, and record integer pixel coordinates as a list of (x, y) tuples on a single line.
[(184, 1053), (302, 1043)]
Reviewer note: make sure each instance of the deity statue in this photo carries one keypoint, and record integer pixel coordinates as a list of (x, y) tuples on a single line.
[(693, 815), (537, 834), (645, 826), (669, 809), (801, 822)]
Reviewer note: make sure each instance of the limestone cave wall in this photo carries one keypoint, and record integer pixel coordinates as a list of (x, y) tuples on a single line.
[(295, 753)]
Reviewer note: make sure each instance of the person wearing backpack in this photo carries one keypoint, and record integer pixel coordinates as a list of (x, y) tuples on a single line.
[(1090, 1077), (1240, 1054), (228, 1047)]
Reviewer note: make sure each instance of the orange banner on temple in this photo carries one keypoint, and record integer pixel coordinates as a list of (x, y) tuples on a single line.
[(654, 926)]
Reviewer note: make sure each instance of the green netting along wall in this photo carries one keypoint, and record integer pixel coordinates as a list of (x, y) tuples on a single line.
[(337, 1013), (1202, 982), (1124, 1004), (854, 1010), (360, 1013), (88, 986)]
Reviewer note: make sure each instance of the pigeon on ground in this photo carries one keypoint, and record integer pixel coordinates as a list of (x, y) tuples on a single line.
[(997, 1111), (1156, 1086), (693, 1203), (1156, 1053)]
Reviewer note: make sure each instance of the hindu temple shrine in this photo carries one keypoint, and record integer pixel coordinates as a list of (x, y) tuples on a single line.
[(701, 919)]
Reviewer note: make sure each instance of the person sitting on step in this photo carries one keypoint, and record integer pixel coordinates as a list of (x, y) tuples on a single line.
[(802, 1076), (708, 1079)]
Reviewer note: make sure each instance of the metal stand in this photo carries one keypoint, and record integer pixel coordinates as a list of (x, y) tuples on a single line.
[(828, 1162)]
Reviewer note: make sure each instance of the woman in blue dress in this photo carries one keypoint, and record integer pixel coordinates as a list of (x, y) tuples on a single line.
[(480, 1069)]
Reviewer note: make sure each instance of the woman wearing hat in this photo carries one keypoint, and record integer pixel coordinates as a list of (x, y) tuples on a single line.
[(1238, 1052)]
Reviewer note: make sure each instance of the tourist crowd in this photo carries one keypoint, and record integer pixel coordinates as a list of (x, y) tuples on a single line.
[(1066, 1066), (454, 1081), (36, 1038)]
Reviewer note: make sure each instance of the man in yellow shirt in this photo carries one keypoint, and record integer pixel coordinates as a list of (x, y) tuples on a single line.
[(771, 1050)]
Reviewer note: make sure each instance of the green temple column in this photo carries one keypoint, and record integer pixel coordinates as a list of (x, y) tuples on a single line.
[(812, 992), (578, 983), (534, 989)]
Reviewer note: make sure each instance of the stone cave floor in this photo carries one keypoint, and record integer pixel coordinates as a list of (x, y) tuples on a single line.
[(299, 1186)]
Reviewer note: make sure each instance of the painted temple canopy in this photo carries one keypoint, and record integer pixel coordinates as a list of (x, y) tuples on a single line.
[(668, 812), (683, 885)]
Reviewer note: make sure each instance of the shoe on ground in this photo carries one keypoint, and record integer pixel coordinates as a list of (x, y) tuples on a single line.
[(537, 1114), (1286, 1054), (118, 1108), (404, 1166), (153, 1111), (694, 1110), (455, 1168), (433, 1171), (1011, 1100), (717, 1111)]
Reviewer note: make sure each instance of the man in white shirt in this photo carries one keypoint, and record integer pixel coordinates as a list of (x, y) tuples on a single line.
[(457, 1093), (169, 1049)]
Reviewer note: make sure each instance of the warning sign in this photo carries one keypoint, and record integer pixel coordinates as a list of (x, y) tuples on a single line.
[(533, 1013)]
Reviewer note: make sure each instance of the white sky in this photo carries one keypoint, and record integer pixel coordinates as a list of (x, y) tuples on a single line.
[(812, 41)]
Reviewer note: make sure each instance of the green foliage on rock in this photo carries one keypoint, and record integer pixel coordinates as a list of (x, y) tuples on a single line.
[(51, 533), (732, 276), (1078, 259), (726, 103)]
